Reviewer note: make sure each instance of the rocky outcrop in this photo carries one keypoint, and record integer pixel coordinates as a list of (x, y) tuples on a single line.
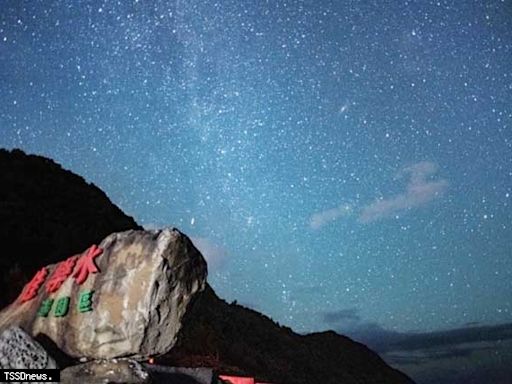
[(125, 297), (125, 371), (19, 351)]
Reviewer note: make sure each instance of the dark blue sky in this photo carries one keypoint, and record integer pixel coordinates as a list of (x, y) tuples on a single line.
[(347, 159)]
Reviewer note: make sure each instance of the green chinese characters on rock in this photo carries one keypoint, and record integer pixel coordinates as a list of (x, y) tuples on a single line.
[(45, 308), (85, 301), (62, 307)]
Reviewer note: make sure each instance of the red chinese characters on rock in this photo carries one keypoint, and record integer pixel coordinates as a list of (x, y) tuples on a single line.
[(85, 264), (60, 274), (30, 290), (82, 266)]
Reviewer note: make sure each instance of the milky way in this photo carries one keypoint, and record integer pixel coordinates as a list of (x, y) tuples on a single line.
[(341, 164)]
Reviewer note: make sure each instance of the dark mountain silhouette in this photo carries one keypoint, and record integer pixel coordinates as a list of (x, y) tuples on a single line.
[(241, 341), (48, 214)]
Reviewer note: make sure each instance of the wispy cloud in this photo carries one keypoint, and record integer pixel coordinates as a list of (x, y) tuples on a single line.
[(341, 316), (216, 256), (319, 219), (420, 190)]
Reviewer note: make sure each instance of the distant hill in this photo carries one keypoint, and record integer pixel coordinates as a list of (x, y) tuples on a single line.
[(48, 214)]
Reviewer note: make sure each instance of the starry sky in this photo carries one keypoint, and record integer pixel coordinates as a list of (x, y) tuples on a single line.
[(342, 164)]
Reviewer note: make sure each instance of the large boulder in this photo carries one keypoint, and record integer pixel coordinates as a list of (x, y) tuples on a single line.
[(124, 298), (19, 351)]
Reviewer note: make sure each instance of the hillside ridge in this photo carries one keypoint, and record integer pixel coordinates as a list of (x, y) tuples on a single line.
[(48, 213)]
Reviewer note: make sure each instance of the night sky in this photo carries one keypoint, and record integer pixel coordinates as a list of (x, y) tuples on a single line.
[(342, 164)]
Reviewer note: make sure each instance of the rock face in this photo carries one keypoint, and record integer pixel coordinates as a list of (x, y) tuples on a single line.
[(125, 297), (19, 351), (124, 371)]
